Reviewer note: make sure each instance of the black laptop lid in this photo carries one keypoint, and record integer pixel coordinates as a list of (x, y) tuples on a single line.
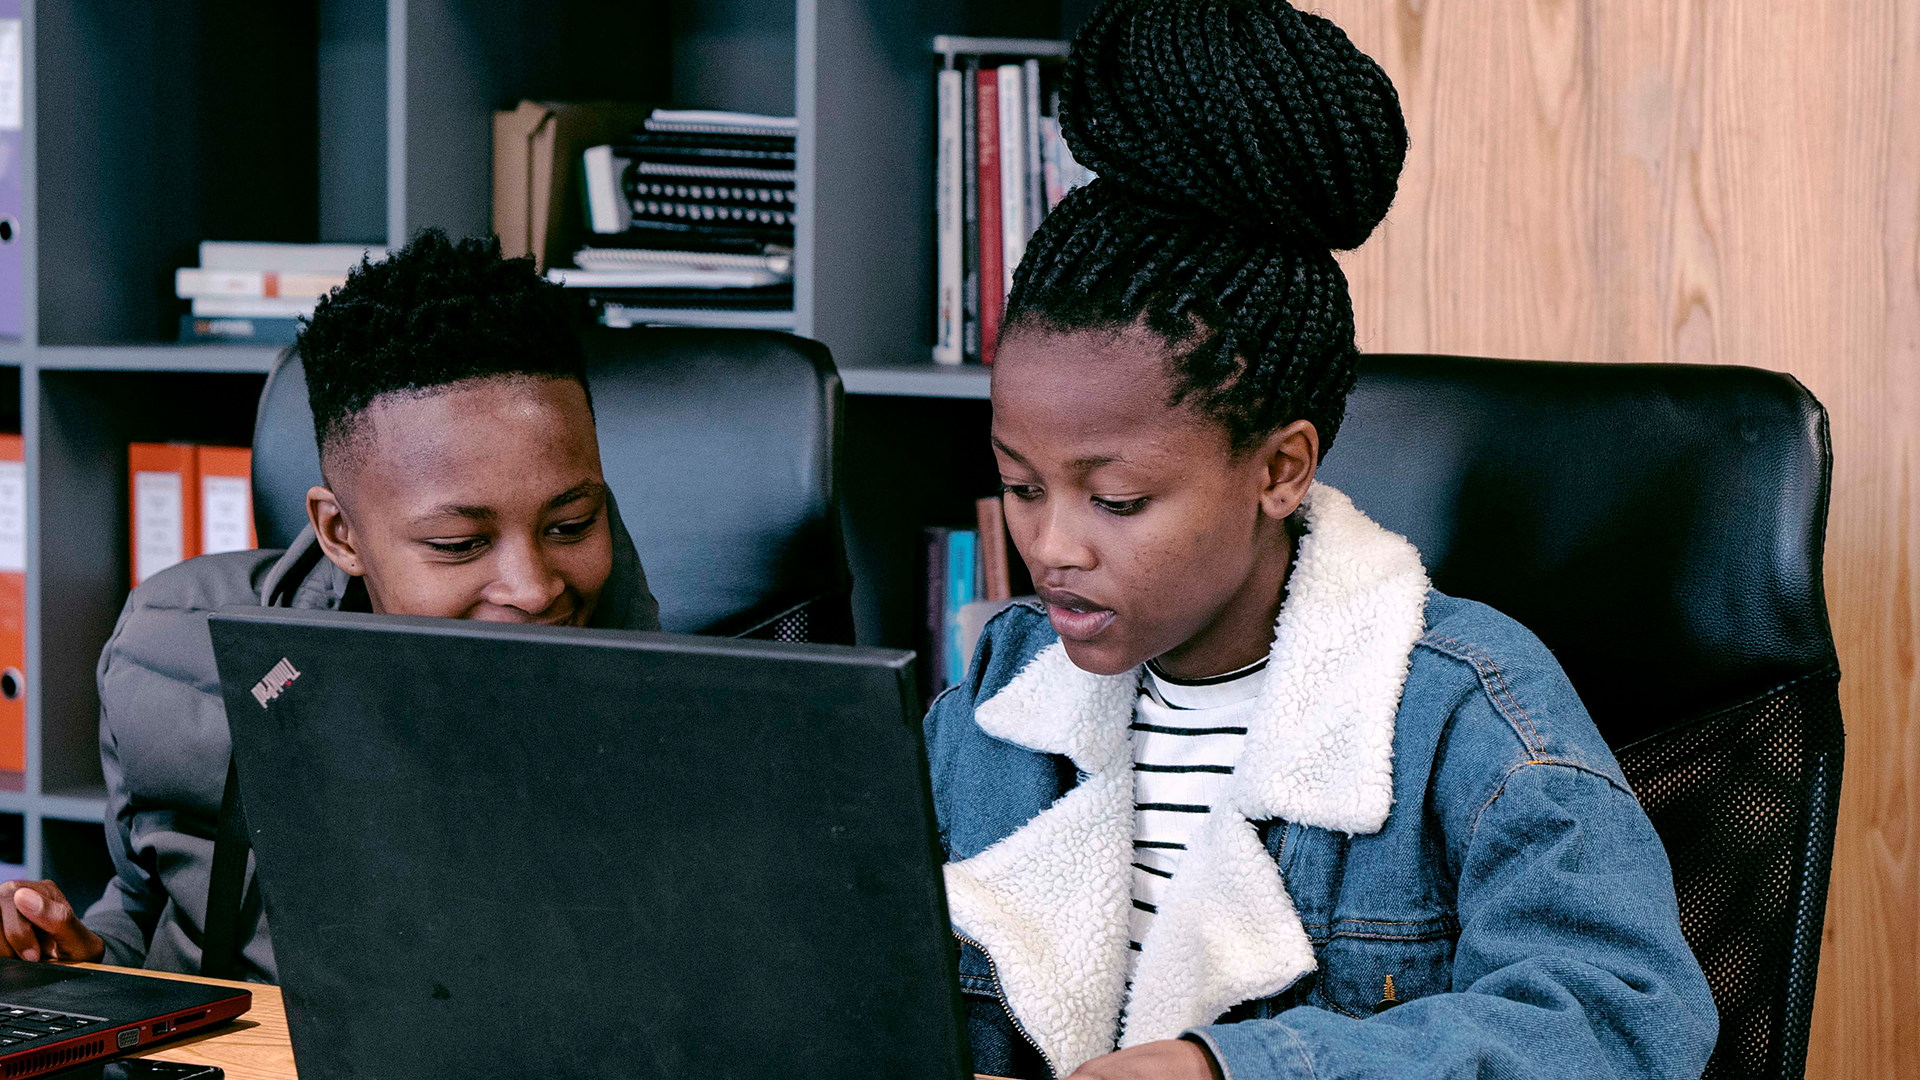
[(515, 851)]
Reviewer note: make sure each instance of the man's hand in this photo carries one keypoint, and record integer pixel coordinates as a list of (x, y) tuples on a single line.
[(1168, 1059), (37, 923)]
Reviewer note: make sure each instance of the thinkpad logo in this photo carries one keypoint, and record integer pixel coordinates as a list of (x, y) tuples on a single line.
[(275, 683)]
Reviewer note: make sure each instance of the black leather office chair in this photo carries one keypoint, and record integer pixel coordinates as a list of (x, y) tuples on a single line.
[(722, 448), (1660, 527)]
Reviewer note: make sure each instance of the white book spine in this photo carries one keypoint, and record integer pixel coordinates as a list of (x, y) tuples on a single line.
[(253, 307), (607, 208), (1013, 170), (190, 283), (1036, 182), (336, 259), (948, 316)]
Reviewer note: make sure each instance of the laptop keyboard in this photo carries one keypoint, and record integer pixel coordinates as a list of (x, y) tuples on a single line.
[(17, 1025)]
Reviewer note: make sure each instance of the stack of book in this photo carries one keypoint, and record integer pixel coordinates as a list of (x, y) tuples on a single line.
[(258, 293), (692, 221), (971, 575), (1001, 165)]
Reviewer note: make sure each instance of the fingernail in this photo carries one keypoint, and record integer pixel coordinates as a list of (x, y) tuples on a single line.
[(30, 955), (29, 901)]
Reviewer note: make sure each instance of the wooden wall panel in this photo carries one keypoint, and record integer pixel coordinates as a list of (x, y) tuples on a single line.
[(1708, 181)]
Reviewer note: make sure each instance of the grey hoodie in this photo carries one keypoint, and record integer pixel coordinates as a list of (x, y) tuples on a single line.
[(164, 746)]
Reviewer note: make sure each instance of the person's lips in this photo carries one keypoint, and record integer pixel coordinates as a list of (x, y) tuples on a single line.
[(1075, 617)]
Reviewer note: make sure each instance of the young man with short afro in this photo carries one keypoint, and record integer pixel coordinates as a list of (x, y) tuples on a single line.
[(461, 479)]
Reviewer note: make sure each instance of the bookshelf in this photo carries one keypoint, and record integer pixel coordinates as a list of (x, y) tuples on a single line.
[(148, 128)]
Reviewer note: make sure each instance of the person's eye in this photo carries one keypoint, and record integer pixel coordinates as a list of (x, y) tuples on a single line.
[(574, 530), (1120, 507), (464, 546), (1023, 492)]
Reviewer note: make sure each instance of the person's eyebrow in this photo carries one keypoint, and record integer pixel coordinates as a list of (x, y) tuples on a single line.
[(446, 510), (1080, 465), (581, 490), (1008, 450)]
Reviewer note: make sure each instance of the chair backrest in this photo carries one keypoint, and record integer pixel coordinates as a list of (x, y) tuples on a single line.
[(722, 448), (1660, 527)]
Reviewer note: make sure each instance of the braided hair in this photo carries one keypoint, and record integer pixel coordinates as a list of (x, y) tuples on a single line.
[(1238, 143)]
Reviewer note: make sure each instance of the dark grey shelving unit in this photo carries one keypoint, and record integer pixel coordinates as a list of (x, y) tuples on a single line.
[(151, 127)]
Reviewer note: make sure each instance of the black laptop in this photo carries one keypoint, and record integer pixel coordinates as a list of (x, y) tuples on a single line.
[(53, 1017), (530, 851)]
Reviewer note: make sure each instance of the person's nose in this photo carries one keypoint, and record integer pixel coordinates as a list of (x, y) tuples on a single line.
[(1059, 539), (525, 579)]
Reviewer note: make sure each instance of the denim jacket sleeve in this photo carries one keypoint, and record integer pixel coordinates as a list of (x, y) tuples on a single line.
[(1570, 960)]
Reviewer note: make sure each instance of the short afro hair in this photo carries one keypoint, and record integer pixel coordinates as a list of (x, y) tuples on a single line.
[(433, 314)]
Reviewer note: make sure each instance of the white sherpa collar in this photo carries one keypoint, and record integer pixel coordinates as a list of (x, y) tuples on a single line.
[(1050, 902)]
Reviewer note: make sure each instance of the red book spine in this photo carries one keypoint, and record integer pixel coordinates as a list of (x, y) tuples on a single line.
[(993, 285)]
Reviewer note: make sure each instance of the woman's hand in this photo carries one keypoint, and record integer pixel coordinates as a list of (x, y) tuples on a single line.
[(1168, 1059), (37, 923)]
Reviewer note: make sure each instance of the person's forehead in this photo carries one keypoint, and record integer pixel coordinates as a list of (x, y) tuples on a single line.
[(1077, 398), (490, 437)]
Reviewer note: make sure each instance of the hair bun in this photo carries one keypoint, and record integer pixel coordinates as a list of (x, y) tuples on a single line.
[(1249, 110)]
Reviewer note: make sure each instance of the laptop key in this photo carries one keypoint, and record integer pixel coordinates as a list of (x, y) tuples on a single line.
[(43, 1017)]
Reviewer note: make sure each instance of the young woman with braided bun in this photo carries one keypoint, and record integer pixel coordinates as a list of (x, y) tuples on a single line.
[(1242, 795)]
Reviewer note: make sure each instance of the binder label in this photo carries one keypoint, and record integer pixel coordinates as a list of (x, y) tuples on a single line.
[(11, 76), (159, 522), (13, 517), (226, 502)]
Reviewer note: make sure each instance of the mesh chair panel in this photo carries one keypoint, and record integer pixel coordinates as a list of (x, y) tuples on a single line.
[(1744, 802), (794, 627), (824, 620)]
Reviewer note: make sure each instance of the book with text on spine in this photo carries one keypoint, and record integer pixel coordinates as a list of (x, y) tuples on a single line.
[(949, 320), (1013, 171), (992, 250)]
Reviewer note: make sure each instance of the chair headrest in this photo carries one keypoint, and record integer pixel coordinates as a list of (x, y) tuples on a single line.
[(1659, 526)]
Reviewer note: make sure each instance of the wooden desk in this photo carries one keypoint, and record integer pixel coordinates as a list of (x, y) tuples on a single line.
[(254, 1047)]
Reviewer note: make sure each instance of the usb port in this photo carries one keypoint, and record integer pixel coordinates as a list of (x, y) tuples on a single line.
[(162, 1027)]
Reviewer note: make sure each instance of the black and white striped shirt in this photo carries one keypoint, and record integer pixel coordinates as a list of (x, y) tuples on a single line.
[(1186, 741)]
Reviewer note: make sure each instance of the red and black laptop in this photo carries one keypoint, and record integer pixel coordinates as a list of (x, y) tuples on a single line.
[(54, 1017)]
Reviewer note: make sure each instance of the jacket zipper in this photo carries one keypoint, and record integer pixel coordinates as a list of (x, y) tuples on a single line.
[(994, 972)]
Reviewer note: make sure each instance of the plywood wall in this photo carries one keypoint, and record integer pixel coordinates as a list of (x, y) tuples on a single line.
[(1704, 181)]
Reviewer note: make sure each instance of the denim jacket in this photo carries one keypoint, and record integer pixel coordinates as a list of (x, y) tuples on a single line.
[(1427, 863)]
